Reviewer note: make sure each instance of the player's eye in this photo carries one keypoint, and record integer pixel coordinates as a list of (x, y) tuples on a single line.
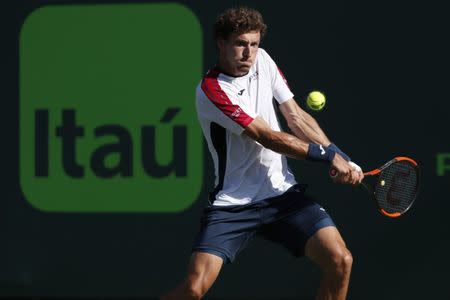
[(242, 43)]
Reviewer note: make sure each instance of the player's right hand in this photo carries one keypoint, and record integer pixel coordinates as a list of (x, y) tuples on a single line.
[(345, 173)]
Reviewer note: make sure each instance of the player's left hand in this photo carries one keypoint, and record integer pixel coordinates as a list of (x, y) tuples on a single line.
[(357, 169), (342, 172), (346, 172)]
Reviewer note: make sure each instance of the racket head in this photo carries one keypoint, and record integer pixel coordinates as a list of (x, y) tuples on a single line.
[(396, 186)]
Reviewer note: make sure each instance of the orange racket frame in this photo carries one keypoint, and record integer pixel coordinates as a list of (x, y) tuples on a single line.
[(377, 171)]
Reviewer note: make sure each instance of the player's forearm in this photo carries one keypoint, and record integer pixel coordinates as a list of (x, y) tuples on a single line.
[(286, 144), (315, 126), (304, 126)]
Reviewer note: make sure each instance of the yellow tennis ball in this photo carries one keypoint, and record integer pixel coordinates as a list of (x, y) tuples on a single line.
[(316, 100)]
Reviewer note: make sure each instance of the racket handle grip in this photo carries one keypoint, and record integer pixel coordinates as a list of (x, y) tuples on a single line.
[(333, 172)]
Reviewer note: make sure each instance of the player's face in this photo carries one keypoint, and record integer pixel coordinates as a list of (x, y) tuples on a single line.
[(238, 53)]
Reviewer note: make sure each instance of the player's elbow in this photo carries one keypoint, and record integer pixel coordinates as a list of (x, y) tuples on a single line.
[(267, 138), (260, 132)]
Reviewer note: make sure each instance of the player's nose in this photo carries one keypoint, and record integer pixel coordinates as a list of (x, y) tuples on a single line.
[(246, 52)]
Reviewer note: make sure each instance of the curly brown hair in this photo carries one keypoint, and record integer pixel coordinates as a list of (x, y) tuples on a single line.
[(239, 20)]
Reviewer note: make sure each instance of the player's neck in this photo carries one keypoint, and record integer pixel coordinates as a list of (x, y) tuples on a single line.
[(225, 68)]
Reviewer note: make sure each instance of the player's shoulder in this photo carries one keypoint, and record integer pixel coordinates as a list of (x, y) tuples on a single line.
[(265, 61), (208, 82), (212, 88), (215, 82), (262, 52), (201, 96), (263, 55)]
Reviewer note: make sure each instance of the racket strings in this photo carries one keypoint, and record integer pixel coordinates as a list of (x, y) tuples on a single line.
[(397, 187)]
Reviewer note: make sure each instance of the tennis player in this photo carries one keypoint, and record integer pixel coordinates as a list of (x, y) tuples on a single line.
[(255, 192)]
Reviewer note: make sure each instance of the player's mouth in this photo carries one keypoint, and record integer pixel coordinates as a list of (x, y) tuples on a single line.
[(245, 65)]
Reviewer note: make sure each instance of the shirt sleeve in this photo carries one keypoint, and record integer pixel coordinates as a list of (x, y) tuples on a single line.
[(280, 87), (215, 105)]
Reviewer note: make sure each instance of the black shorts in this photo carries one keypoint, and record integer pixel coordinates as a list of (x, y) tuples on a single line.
[(289, 219)]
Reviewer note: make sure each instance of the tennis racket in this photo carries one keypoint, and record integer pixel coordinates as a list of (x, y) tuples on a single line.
[(393, 186)]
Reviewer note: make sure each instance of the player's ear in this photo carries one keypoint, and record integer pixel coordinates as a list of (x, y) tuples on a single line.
[(220, 42)]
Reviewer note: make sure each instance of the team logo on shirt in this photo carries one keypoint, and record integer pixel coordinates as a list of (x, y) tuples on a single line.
[(236, 113), (253, 76)]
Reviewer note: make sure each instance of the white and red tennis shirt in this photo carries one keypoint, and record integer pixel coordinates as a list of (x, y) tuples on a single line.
[(245, 170)]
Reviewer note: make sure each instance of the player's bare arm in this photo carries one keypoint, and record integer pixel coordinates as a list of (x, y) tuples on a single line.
[(280, 142), (297, 148), (302, 124), (305, 127)]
